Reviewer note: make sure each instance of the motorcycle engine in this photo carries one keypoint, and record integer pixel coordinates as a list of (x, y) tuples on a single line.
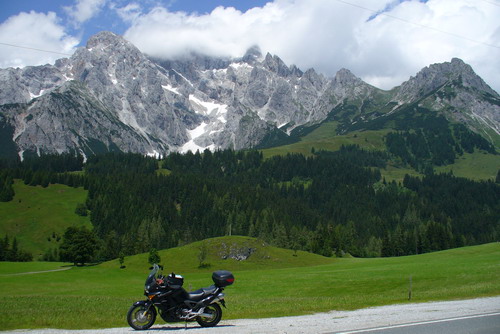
[(174, 314)]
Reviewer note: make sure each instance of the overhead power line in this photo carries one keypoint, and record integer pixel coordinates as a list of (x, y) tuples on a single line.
[(492, 2), (29, 48), (419, 24)]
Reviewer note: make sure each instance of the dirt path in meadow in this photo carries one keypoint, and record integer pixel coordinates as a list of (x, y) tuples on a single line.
[(37, 272)]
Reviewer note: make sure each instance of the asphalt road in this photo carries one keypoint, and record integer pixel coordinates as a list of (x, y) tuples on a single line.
[(474, 324)]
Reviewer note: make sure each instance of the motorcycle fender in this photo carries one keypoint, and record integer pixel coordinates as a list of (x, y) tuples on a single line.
[(146, 303), (219, 298)]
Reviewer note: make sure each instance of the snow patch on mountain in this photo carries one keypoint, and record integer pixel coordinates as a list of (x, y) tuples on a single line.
[(194, 134), (212, 109), (33, 96), (171, 89)]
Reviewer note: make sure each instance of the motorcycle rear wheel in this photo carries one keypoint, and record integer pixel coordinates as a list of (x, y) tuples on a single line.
[(215, 316), (140, 318)]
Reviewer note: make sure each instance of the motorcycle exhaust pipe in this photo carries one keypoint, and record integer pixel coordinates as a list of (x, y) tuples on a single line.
[(191, 315), (201, 304), (218, 298), (210, 300)]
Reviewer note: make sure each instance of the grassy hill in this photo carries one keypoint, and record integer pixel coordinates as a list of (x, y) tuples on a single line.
[(277, 284), (476, 166), (325, 138), (37, 214), (221, 254)]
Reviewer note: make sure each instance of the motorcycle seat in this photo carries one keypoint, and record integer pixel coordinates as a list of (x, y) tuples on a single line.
[(201, 293)]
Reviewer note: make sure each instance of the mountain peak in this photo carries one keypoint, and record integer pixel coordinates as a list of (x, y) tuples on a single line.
[(253, 53), (106, 43), (457, 61), (435, 76), (104, 48), (345, 77), (104, 38), (276, 65), (452, 69)]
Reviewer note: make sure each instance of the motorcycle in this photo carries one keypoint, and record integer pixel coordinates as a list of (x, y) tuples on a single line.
[(166, 296)]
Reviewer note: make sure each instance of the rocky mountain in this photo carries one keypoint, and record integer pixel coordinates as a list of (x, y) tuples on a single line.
[(454, 89), (109, 96)]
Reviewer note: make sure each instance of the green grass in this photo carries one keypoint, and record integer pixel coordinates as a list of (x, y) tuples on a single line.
[(20, 268), (185, 258), (325, 138), (276, 284), (475, 166), (163, 172), (397, 173), (36, 213)]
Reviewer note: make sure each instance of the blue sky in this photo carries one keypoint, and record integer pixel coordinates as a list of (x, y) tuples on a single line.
[(108, 19), (383, 42), (9, 8)]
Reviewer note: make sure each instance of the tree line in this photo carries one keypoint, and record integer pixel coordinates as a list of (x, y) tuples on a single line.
[(11, 251), (331, 203), (438, 145)]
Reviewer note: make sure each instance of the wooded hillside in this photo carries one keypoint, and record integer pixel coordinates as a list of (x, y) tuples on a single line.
[(329, 203)]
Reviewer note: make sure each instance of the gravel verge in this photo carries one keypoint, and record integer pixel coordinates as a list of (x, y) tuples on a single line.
[(329, 322)]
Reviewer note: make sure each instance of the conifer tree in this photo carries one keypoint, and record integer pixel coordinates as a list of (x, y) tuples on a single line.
[(154, 257)]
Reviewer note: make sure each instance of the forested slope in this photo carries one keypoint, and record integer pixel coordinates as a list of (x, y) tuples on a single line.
[(328, 203)]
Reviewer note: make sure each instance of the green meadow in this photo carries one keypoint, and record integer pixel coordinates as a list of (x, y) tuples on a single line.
[(37, 214), (272, 282), (476, 166), (325, 138)]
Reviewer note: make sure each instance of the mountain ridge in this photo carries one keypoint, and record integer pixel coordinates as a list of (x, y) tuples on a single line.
[(113, 97)]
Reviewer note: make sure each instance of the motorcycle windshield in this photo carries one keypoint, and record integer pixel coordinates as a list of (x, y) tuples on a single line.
[(152, 275)]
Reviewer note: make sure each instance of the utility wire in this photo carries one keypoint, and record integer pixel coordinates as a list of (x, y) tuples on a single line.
[(421, 25), (492, 2), (28, 48)]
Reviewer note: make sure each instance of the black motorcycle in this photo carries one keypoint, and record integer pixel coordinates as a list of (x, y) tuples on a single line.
[(175, 304)]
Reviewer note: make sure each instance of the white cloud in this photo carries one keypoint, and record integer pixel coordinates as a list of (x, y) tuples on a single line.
[(128, 13), (33, 30), (383, 49), (329, 35), (439, 30), (84, 10)]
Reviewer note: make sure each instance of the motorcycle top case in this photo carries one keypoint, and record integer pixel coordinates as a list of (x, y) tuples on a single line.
[(222, 278), (175, 281)]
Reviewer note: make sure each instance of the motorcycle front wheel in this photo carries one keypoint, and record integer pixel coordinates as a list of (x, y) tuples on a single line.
[(139, 317), (211, 317)]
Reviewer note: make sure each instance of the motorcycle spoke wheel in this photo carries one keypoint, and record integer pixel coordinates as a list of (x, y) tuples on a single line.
[(213, 316), (140, 318)]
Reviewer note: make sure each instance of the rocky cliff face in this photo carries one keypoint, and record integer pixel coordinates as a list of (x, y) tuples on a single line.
[(109, 96), (454, 89), (153, 106), (107, 93)]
